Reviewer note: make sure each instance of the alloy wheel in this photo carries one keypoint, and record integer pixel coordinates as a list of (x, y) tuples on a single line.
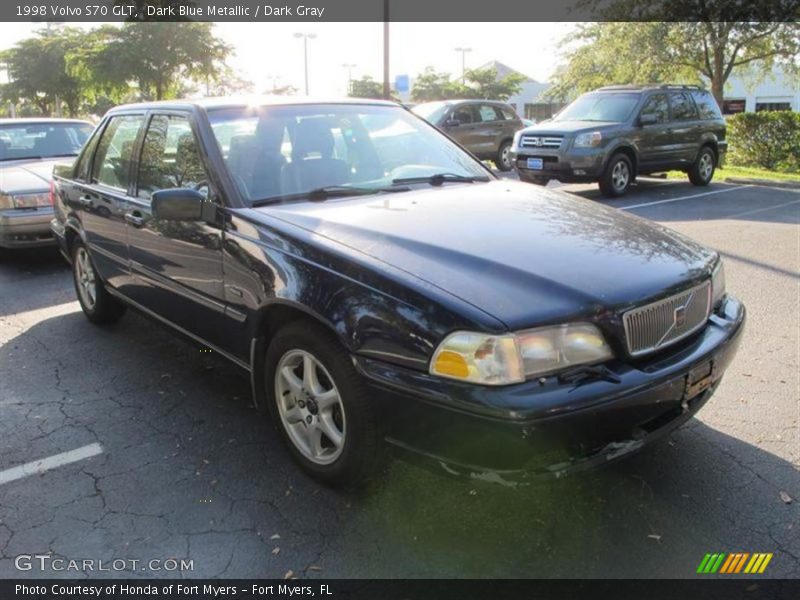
[(620, 175), (706, 167), (310, 407), (85, 277)]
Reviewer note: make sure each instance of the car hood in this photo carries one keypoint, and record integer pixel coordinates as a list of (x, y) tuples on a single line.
[(564, 127), (27, 175), (518, 252)]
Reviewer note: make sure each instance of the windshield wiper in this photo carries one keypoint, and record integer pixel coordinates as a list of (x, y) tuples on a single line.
[(331, 191), (439, 179)]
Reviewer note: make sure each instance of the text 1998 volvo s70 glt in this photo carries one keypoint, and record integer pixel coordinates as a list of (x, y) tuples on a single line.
[(381, 285)]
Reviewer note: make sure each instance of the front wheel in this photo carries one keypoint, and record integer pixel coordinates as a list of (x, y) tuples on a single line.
[(320, 405), (97, 304), (702, 170), (503, 161), (617, 177)]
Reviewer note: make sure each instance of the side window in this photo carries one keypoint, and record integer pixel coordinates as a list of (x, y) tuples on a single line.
[(114, 152), (488, 113), (463, 114), (657, 105), (508, 113), (82, 170), (682, 107), (170, 157), (706, 105)]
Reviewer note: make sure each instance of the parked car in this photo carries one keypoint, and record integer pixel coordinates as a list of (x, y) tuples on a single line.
[(28, 150), (394, 293), (615, 133), (483, 127)]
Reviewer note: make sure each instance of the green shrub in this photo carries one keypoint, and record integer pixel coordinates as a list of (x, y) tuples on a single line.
[(769, 139)]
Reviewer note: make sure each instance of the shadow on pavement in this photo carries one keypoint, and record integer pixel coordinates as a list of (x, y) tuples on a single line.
[(189, 469)]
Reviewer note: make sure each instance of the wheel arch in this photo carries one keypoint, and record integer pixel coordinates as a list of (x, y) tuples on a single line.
[(628, 151)]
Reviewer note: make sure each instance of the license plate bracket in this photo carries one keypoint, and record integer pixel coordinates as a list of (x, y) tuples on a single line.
[(699, 380)]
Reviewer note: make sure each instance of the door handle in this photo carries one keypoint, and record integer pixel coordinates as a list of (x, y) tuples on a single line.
[(85, 201), (134, 219)]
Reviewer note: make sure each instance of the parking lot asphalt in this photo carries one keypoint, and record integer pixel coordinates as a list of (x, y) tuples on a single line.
[(176, 463)]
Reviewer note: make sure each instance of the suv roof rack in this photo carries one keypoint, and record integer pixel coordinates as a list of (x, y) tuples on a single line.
[(660, 86)]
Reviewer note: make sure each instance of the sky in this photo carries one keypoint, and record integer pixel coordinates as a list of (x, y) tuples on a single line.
[(267, 53)]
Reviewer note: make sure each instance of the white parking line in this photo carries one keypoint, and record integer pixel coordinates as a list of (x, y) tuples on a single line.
[(679, 198), (38, 467)]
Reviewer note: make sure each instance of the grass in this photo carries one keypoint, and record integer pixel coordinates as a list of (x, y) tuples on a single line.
[(748, 172)]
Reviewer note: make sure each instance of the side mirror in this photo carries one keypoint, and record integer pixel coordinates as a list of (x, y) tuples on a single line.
[(647, 120), (452, 123), (181, 204)]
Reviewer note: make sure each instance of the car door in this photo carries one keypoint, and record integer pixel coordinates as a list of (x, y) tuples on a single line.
[(684, 125), (489, 130), (100, 195), (464, 128), (655, 138), (176, 265)]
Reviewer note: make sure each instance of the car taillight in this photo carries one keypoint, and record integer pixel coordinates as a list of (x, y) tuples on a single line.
[(52, 192)]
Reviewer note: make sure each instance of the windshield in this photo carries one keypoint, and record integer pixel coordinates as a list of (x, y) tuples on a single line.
[(432, 112), (614, 108), (42, 140), (286, 152)]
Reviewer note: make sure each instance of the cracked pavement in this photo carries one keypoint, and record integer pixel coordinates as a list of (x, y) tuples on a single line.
[(189, 470)]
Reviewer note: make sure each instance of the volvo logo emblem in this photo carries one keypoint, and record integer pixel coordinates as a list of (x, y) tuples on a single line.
[(680, 317)]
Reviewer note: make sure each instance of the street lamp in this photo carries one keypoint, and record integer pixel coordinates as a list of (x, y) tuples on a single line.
[(463, 62), (306, 37), (349, 67)]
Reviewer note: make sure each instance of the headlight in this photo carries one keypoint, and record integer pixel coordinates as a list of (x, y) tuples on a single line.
[(479, 358), (24, 200), (589, 139), (510, 358), (717, 285)]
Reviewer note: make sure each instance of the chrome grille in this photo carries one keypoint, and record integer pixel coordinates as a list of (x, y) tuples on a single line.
[(657, 325), (537, 141)]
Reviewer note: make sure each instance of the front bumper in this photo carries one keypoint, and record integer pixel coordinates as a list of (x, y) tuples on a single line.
[(567, 164), (551, 427), (26, 228)]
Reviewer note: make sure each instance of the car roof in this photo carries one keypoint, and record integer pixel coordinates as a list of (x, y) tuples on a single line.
[(245, 101), (35, 120), (649, 86), (453, 102)]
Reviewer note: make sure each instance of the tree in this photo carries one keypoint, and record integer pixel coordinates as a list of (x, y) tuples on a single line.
[(668, 47), (158, 57), (38, 74), (366, 87), (486, 84), (480, 83)]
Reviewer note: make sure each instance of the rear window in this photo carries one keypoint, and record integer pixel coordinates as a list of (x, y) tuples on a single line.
[(706, 105), (45, 139)]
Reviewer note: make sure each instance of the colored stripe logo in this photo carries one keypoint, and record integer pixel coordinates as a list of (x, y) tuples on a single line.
[(737, 562)]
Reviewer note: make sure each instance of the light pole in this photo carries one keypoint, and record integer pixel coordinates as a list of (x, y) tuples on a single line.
[(274, 79), (306, 37), (349, 67), (463, 62)]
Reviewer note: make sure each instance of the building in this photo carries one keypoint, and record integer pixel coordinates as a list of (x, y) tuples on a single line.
[(529, 103), (778, 91)]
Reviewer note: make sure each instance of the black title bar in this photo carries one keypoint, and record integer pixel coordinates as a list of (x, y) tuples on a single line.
[(399, 10)]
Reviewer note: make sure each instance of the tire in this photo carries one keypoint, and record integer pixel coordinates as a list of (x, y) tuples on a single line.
[(617, 177), (503, 161), (702, 171), (310, 429), (97, 304)]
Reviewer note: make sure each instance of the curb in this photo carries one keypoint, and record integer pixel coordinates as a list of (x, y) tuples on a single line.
[(789, 185)]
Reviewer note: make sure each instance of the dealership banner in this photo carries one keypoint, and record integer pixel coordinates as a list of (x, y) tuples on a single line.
[(398, 10)]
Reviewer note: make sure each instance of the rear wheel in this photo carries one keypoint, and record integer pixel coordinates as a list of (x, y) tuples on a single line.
[(320, 405), (617, 177), (98, 305), (503, 160), (702, 170)]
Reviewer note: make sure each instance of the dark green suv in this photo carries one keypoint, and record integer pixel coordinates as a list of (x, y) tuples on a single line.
[(615, 133)]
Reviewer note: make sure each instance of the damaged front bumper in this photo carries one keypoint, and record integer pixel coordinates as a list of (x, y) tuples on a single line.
[(549, 427)]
